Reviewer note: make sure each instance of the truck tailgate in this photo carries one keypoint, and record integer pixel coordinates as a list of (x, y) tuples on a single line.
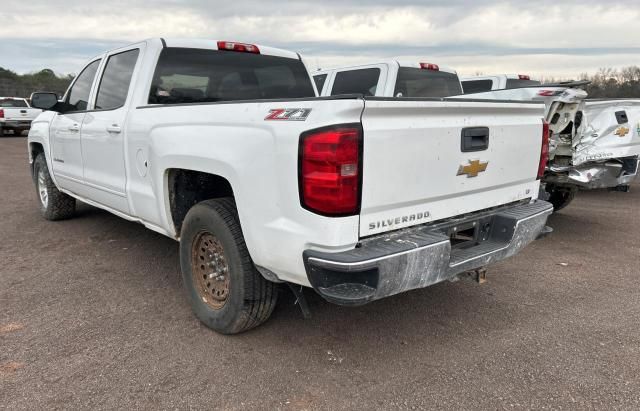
[(610, 129), (20, 114), (415, 169)]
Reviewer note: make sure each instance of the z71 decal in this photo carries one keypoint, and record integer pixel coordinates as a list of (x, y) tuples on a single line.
[(290, 114)]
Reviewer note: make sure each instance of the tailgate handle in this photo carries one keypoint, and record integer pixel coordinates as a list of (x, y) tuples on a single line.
[(474, 139), (621, 117), (23, 111)]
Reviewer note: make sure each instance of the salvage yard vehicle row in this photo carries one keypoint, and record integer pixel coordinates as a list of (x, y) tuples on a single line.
[(594, 143)]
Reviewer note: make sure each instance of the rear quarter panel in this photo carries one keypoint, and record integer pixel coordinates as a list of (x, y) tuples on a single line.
[(260, 160)]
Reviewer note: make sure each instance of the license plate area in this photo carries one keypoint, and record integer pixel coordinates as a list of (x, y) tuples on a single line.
[(470, 233)]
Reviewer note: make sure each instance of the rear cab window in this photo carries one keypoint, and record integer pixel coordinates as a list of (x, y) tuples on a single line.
[(477, 86), (417, 82), (360, 81), (517, 83), (13, 102), (187, 75)]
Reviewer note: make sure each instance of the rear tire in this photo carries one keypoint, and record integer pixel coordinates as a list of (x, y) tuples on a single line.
[(225, 290), (561, 197), (54, 204)]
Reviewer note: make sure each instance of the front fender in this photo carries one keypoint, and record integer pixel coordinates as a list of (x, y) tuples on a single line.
[(39, 134)]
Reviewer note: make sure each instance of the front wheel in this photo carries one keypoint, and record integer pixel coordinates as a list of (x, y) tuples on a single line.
[(225, 290), (54, 204)]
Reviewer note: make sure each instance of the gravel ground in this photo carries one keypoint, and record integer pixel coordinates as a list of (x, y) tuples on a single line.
[(93, 314)]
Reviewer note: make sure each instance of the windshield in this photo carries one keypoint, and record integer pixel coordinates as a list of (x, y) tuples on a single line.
[(415, 82), (11, 102)]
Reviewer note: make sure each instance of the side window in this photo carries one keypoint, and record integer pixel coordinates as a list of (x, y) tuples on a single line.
[(114, 86), (476, 86), (363, 81), (319, 80), (78, 97)]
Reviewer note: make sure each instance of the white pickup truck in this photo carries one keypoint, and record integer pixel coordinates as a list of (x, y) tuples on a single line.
[(16, 115), (594, 143), (389, 78), (479, 84), (225, 147)]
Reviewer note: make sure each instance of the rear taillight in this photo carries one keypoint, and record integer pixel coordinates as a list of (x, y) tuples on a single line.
[(330, 170), (549, 93), (429, 66), (241, 47), (523, 77), (1, 113), (544, 151)]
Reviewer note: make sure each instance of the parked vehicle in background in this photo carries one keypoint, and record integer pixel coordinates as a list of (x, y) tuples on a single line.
[(389, 78), (594, 144), (479, 84), (16, 115), (225, 147)]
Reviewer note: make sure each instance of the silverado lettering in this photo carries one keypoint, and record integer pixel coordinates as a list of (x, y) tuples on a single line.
[(398, 220)]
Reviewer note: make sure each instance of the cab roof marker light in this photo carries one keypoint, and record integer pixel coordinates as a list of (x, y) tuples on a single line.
[(523, 77), (429, 66), (241, 47)]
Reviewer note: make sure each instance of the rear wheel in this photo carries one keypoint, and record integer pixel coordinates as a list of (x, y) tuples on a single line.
[(54, 204), (225, 290), (560, 197)]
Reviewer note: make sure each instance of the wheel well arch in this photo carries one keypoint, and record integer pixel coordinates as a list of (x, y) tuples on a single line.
[(34, 150), (185, 188)]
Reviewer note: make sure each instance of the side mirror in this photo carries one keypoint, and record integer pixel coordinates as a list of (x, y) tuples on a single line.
[(44, 100)]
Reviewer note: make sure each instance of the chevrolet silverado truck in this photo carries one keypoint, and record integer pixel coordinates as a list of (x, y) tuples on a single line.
[(389, 78), (16, 115), (594, 144), (225, 147)]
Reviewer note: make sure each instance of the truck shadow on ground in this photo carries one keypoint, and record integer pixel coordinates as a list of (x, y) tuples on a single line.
[(443, 314)]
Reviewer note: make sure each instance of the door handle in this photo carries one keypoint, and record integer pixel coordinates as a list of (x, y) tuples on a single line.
[(75, 127), (114, 128)]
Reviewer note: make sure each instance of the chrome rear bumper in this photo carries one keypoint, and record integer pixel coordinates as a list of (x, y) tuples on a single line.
[(590, 176), (395, 262)]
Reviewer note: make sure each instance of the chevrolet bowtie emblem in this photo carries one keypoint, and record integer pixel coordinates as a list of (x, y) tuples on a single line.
[(622, 131), (473, 169)]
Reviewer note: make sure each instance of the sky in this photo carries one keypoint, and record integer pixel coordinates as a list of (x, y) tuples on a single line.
[(548, 38)]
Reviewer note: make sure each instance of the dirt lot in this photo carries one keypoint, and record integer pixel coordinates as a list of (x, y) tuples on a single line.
[(93, 314)]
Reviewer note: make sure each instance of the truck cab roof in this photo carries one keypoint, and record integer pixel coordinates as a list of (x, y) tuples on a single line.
[(400, 62), (395, 77), (209, 44)]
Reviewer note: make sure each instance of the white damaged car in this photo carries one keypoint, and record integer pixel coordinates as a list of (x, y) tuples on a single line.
[(593, 144)]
